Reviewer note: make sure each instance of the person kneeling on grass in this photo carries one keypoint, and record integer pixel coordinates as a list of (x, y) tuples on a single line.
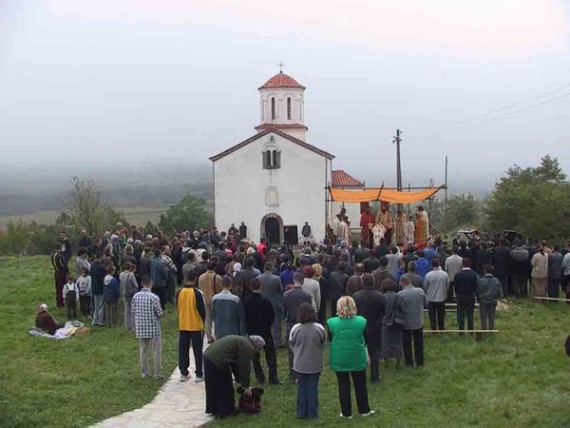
[(307, 339), (146, 312), (45, 321), (230, 353)]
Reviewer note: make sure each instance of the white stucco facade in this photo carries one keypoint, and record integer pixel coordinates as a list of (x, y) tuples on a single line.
[(293, 194), (275, 181)]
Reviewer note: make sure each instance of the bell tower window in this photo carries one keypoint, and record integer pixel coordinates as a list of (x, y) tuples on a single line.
[(288, 108), (273, 108)]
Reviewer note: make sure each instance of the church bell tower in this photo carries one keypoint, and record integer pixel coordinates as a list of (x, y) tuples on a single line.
[(282, 106)]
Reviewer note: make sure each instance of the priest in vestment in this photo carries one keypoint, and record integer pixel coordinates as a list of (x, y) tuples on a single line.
[(400, 227), (385, 219), (410, 231), (422, 228), (366, 222)]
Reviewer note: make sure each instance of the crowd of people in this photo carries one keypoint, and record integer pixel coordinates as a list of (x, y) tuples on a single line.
[(246, 298)]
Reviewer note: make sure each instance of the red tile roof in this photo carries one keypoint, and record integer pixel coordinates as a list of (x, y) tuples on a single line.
[(281, 126), (341, 179), (281, 80), (277, 132)]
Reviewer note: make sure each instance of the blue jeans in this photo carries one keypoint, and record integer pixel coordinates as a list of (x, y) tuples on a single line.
[(308, 395)]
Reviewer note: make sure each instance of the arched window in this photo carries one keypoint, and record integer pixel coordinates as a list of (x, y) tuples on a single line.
[(288, 108), (271, 155), (273, 108)]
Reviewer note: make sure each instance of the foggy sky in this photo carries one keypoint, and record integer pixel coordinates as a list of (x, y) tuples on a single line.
[(90, 84)]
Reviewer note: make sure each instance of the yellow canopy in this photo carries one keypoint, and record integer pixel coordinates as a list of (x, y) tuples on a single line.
[(380, 194)]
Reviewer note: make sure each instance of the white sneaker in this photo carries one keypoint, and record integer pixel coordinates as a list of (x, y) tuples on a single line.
[(199, 379), (184, 378), (345, 417), (370, 413)]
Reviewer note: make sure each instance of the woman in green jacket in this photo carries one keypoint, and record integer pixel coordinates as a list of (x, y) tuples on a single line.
[(348, 356)]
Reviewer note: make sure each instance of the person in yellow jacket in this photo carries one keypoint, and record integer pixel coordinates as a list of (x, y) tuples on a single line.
[(191, 317)]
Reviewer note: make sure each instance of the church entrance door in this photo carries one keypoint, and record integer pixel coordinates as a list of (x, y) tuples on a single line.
[(272, 229)]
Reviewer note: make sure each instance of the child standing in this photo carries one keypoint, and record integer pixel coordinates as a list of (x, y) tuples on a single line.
[(83, 283), (111, 294), (70, 296)]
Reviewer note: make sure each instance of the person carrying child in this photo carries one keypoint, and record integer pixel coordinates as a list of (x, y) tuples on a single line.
[(83, 284), (70, 296)]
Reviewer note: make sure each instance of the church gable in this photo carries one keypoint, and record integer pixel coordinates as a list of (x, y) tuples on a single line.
[(265, 137)]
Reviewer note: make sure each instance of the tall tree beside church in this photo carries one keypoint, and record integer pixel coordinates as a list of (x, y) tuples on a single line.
[(534, 201), (188, 214)]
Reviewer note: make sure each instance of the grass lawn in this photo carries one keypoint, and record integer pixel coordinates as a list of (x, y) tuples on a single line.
[(73, 382), (520, 377)]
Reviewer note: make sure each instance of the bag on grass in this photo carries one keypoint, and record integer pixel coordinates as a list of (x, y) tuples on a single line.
[(251, 404)]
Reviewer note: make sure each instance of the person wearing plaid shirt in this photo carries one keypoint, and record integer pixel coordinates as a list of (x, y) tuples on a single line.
[(146, 311)]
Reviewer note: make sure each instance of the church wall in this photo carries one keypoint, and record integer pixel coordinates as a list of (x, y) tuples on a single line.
[(243, 192)]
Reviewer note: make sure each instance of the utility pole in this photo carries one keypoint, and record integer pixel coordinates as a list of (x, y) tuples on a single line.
[(445, 207), (397, 140)]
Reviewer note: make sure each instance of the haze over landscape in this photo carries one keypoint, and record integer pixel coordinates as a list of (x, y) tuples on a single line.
[(141, 93)]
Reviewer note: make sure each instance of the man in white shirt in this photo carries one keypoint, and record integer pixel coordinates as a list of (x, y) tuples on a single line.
[(453, 265)]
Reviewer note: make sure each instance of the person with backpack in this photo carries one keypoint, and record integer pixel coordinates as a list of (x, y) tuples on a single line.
[(130, 287), (71, 296)]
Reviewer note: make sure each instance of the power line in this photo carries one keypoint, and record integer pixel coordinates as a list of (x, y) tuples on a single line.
[(527, 101), (548, 101)]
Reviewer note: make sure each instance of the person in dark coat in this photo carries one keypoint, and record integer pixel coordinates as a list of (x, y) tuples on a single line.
[(245, 277), (392, 332), (520, 260), (465, 287), (337, 285), (259, 317), (61, 269), (554, 272), (86, 242), (370, 304), (242, 231), (502, 265)]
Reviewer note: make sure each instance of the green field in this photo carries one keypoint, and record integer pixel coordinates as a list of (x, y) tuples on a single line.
[(520, 377), (135, 215)]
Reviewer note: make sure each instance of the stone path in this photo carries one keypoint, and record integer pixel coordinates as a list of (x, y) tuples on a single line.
[(177, 405)]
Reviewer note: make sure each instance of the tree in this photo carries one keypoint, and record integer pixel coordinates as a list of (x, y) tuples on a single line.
[(86, 208), (532, 201), (188, 214), (463, 210)]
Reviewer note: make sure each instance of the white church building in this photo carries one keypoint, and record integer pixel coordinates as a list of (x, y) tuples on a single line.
[(275, 181)]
